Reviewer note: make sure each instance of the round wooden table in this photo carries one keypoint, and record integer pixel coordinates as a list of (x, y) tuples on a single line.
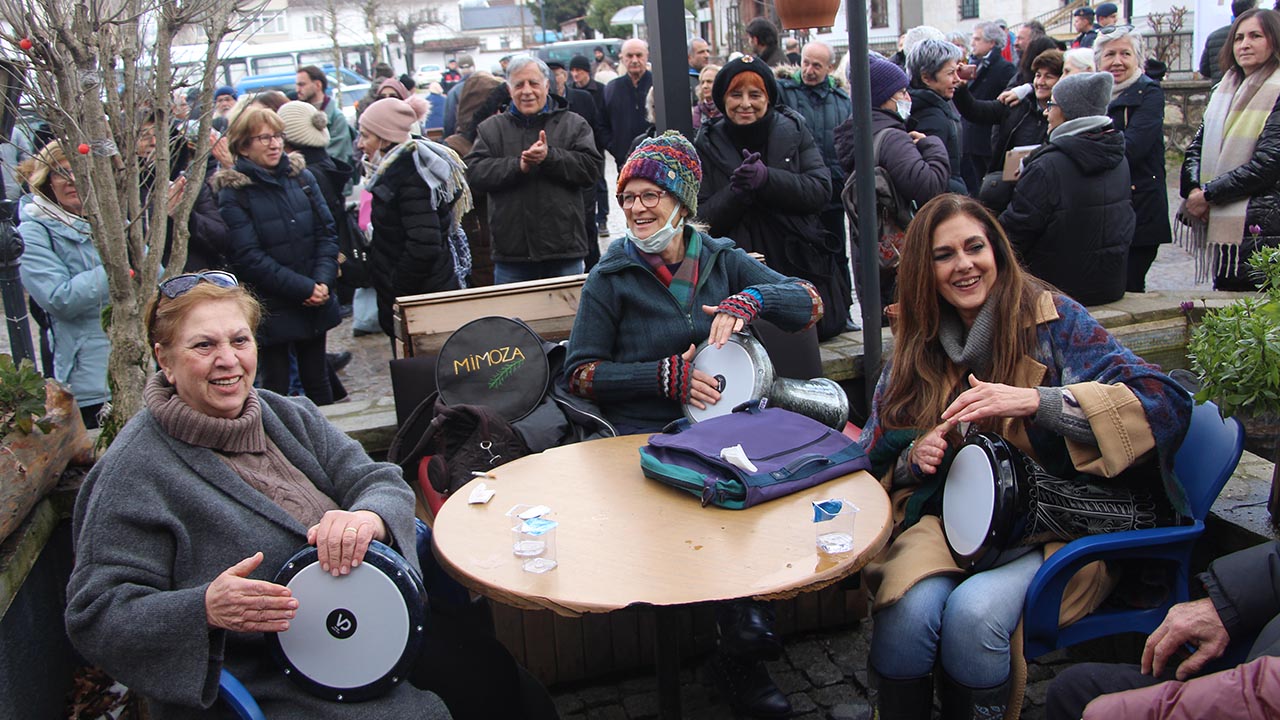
[(624, 539)]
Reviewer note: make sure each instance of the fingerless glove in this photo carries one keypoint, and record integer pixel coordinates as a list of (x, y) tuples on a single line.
[(744, 306), (675, 376)]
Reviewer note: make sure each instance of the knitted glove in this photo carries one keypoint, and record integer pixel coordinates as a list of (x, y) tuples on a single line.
[(751, 174), (675, 378), (744, 306)]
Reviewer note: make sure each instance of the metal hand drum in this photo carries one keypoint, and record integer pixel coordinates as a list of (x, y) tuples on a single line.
[(743, 372), (354, 637), (996, 499)]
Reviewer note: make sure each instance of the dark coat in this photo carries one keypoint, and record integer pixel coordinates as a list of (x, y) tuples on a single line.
[(823, 107), (538, 215), (1209, 60), (283, 243), (1011, 126), (1258, 180), (1071, 218), (410, 253), (625, 111), (936, 116), (1245, 589), (1139, 114), (989, 81), (582, 103), (920, 171), (781, 219)]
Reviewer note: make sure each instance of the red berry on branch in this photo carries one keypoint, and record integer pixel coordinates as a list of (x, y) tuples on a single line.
[(83, 148), (25, 43)]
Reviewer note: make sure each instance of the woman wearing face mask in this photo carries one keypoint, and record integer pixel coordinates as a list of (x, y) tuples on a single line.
[(655, 294), (419, 190), (766, 183), (916, 163)]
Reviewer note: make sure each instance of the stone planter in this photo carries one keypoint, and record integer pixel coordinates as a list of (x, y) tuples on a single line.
[(31, 464)]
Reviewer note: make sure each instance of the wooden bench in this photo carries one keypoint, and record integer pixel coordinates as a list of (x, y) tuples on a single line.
[(424, 322)]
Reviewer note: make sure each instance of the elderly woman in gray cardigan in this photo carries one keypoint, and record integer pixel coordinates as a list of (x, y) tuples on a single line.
[(656, 293), (200, 499)]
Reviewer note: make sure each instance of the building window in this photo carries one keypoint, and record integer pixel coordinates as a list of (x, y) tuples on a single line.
[(316, 24), (879, 13), (269, 23), (968, 9)]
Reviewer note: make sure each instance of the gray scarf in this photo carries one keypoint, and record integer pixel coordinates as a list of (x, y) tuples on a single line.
[(969, 348)]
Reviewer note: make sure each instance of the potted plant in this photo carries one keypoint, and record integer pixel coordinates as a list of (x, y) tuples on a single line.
[(41, 431), (804, 14), (1235, 350)]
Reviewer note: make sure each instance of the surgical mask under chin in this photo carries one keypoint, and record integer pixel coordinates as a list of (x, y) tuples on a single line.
[(661, 238), (904, 108)]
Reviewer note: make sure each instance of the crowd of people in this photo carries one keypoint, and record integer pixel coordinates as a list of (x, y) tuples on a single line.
[(1035, 172)]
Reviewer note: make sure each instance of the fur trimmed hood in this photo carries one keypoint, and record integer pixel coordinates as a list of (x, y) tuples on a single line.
[(235, 178)]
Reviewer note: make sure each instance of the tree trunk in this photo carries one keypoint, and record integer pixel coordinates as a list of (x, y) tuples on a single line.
[(31, 463)]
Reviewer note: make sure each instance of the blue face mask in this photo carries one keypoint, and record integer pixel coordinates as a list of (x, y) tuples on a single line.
[(661, 238)]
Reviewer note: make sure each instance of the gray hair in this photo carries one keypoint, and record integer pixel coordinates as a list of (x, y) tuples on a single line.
[(1119, 32), (912, 37), (928, 57), (959, 39), (692, 40), (992, 32), (1079, 58), (518, 62), (831, 52)]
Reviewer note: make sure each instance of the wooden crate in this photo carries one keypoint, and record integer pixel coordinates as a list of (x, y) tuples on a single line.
[(424, 322), (558, 649)]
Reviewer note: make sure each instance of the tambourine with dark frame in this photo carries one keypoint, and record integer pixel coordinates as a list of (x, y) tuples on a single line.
[(355, 636)]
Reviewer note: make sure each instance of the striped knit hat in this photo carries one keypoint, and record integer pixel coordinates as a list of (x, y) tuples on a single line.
[(670, 162)]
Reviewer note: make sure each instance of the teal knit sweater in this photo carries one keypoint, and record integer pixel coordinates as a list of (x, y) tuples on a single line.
[(627, 321)]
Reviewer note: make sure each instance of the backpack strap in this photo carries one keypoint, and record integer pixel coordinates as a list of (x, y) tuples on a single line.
[(877, 143)]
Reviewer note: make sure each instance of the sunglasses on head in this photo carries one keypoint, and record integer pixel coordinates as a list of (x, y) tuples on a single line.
[(1108, 30), (180, 285)]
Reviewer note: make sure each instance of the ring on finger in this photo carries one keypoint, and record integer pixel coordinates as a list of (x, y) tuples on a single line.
[(350, 530)]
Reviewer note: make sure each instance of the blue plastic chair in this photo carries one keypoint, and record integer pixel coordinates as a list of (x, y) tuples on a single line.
[(439, 586), (1203, 464)]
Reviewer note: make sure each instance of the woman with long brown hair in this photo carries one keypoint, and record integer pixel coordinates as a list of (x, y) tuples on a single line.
[(982, 345)]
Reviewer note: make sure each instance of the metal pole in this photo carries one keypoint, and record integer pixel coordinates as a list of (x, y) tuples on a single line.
[(669, 54), (868, 260), (15, 302), (542, 11)]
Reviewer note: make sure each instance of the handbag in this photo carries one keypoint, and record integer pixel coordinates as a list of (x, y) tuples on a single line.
[(996, 192), (893, 211), (784, 452)]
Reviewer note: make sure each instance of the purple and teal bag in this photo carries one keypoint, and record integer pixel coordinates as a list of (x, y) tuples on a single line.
[(791, 452)]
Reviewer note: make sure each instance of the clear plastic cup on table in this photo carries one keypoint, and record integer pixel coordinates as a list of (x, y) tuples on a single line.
[(833, 525)]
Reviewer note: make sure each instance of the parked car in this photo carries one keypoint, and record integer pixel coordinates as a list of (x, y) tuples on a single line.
[(354, 86), (564, 51), (428, 74)]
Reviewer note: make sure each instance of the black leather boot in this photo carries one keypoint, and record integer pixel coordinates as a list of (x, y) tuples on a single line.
[(910, 699), (960, 702), (745, 629), (746, 684)]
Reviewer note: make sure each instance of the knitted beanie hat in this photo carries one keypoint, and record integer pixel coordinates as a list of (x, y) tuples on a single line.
[(225, 90), (670, 162), (579, 62), (304, 124), (1083, 94), (746, 63), (886, 79), (396, 86), (389, 119)]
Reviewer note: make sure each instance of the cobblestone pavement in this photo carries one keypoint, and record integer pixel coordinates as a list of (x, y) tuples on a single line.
[(823, 674)]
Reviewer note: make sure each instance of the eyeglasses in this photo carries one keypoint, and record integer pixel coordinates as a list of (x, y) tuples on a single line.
[(180, 285), (268, 139), (1050, 104), (648, 198), (1112, 29)]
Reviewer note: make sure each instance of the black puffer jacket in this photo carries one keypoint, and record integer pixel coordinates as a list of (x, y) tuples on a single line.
[(937, 117), (537, 215), (1139, 114), (781, 218), (1071, 218), (1258, 180), (283, 243), (410, 252), (1011, 126)]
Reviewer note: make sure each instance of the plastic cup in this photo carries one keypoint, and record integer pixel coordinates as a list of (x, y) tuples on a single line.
[(533, 542), (833, 525)]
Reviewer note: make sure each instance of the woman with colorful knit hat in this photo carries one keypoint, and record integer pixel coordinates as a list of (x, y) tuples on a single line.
[(657, 293), (766, 183)]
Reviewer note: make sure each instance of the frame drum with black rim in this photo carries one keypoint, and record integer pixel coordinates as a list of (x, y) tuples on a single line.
[(354, 636), (985, 500)]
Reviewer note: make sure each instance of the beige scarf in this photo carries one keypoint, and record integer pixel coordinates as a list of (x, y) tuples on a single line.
[(1238, 109)]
